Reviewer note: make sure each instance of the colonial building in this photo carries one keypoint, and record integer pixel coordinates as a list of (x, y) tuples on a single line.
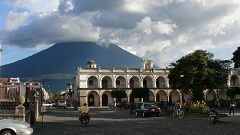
[(9, 88), (93, 85)]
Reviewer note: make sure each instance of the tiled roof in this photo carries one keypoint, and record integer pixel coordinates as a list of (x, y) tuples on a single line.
[(4, 80)]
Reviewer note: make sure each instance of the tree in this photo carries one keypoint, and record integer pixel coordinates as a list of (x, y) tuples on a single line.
[(198, 71), (236, 58), (232, 92), (118, 94), (140, 93)]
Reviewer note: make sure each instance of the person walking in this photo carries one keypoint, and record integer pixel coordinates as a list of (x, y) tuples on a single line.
[(232, 107)]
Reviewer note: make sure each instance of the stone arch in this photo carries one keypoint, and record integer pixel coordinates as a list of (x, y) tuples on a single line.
[(233, 81), (174, 96), (211, 95), (151, 96), (121, 82), (147, 82), (162, 95), (161, 82), (106, 82), (93, 98), (92, 82), (106, 98), (134, 82)]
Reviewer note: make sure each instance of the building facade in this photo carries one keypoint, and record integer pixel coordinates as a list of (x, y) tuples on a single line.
[(93, 85), (9, 89)]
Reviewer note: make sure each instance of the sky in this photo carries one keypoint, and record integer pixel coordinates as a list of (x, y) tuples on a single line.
[(160, 30)]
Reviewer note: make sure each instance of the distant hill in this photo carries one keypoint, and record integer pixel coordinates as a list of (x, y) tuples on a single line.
[(58, 63)]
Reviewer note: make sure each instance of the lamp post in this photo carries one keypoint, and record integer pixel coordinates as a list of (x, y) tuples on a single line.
[(1, 58)]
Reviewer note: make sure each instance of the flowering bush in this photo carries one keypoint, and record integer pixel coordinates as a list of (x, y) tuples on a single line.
[(198, 107)]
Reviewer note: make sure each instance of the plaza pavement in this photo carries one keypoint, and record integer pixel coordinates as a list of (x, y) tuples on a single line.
[(105, 122)]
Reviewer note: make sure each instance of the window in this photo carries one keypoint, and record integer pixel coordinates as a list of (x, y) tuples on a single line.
[(90, 83)]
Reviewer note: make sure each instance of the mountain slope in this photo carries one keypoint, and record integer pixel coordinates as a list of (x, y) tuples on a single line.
[(59, 62)]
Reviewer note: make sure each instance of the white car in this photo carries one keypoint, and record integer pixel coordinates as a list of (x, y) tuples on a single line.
[(14, 127), (47, 104), (62, 103)]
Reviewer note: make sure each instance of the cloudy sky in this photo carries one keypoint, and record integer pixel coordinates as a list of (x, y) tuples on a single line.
[(160, 30)]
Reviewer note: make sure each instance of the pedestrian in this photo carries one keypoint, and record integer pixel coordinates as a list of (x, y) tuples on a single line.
[(115, 105), (232, 107)]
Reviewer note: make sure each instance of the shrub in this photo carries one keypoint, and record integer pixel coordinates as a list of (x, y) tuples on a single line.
[(198, 107)]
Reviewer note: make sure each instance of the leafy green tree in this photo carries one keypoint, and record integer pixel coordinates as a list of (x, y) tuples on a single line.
[(118, 94), (233, 91), (141, 93), (198, 71), (236, 58)]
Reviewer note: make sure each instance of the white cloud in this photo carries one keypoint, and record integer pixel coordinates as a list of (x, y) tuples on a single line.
[(158, 27), (15, 1), (14, 20), (162, 30)]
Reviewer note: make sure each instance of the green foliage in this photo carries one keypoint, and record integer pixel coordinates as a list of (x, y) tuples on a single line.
[(140, 92), (198, 71), (238, 102), (118, 93), (233, 91), (236, 58)]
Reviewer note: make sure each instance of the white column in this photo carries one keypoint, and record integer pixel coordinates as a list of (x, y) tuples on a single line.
[(127, 83), (141, 82), (228, 81), (100, 100), (167, 82), (99, 83), (113, 84), (128, 97), (180, 94), (168, 96), (154, 82)]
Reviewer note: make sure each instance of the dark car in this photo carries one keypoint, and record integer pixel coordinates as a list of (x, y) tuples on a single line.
[(147, 109)]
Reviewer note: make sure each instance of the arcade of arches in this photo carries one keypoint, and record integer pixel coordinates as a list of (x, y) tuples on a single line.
[(103, 97)]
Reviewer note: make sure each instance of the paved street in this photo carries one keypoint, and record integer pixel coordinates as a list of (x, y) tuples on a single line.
[(61, 121)]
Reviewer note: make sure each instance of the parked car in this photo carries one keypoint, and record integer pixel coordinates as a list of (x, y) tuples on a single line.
[(62, 103), (54, 103), (14, 127), (47, 104), (143, 109)]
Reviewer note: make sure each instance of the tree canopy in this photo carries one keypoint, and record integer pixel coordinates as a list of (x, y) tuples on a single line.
[(198, 71), (118, 93), (233, 91), (236, 58), (140, 92)]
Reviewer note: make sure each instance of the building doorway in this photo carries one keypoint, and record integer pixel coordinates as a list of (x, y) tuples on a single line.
[(104, 100), (91, 100)]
